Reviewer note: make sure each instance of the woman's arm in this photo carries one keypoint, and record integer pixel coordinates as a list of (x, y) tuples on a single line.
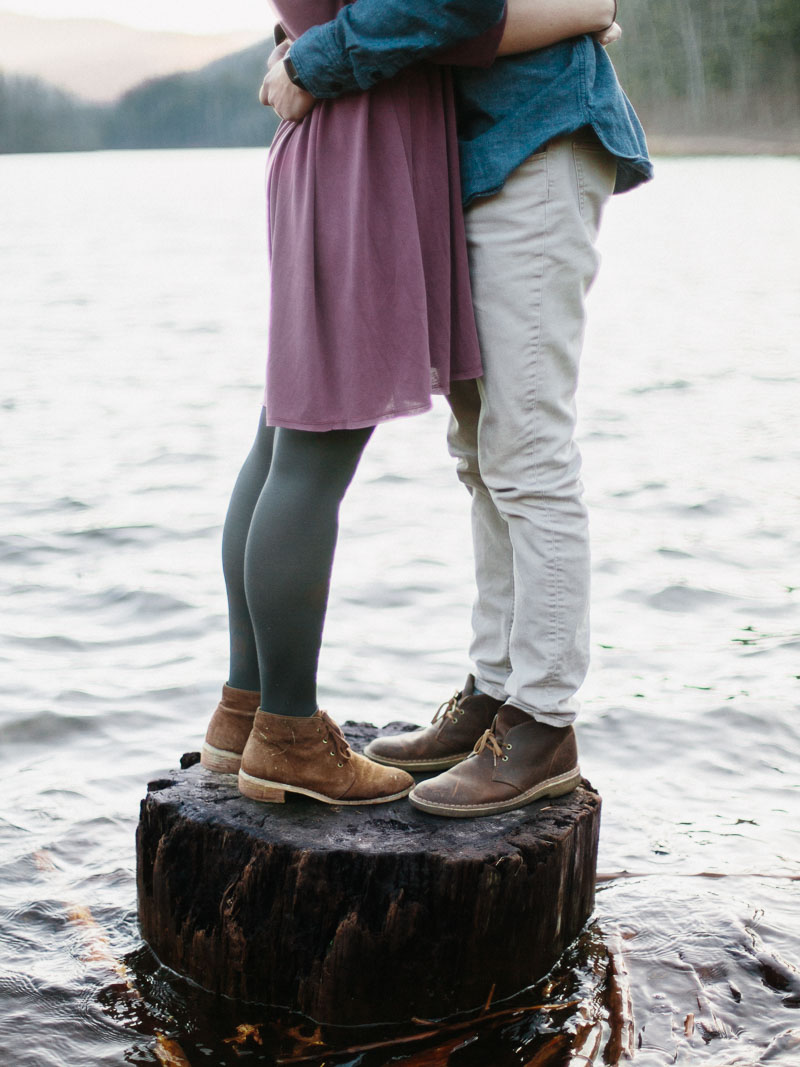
[(534, 24)]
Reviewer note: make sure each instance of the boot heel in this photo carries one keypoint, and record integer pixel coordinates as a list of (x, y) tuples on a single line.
[(220, 761), (270, 795), (564, 784), (256, 789)]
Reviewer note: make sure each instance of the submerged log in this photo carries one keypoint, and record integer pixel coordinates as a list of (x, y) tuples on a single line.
[(357, 915)]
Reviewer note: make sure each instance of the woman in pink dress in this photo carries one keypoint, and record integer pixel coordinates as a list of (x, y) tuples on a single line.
[(370, 313)]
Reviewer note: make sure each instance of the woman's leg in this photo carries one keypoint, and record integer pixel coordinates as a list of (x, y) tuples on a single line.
[(243, 672), (289, 557), (278, 590)]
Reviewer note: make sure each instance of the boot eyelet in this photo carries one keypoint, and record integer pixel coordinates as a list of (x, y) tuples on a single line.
[(340, 765), (505, 759), (508, 746), (331, 753), (324, 740)]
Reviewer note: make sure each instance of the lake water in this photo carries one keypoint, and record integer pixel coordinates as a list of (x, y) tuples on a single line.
[(131, 355)]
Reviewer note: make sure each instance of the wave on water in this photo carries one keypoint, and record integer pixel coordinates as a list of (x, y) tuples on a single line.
[(50, 727)]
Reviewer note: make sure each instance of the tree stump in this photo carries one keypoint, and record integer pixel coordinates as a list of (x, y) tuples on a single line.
[(356, 915)]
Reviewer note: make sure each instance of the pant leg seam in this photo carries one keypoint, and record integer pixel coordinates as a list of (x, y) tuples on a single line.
[(554, 593)]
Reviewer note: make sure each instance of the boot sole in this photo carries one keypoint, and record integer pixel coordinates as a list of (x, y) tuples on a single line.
[(421, 766), (275, 792), (219, 760), (552, 787)]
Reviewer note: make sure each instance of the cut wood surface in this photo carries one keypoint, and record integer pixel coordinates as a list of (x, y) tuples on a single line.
[(366, 914)]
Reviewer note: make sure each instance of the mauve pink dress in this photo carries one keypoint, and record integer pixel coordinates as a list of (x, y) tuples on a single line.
[(370, 305)]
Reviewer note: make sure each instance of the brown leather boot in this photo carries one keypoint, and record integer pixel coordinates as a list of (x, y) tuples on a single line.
[(229, 729), (311, 756), (451, 737), (519, 760)]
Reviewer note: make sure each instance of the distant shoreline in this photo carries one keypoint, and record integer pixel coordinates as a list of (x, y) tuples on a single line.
[(719, 145), (675, 145)]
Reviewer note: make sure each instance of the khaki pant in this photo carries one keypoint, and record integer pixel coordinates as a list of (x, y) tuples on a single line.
[(532, 261)]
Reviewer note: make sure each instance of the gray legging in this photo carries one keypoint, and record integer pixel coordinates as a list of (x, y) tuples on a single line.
[(277, 554)]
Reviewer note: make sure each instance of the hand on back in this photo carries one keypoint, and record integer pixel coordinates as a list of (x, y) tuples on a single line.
[(279, 92)]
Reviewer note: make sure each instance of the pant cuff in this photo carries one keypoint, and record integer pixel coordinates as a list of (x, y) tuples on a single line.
[(550, 718), (490, 690)]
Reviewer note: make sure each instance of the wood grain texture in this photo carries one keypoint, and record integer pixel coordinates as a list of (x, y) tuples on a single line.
[(359, 915)]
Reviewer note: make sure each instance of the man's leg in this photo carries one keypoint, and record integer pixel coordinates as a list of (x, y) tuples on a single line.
[(460, 721), (532, 261), (493, 610)]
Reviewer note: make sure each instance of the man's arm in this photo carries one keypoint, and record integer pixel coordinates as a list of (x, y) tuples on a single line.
[(533, 24), (358, 48), (371, 40)]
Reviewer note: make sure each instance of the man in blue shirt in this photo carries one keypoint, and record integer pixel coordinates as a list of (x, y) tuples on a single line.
[(545, 138)]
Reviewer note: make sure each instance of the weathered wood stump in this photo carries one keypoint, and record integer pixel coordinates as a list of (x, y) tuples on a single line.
[(357, 915)]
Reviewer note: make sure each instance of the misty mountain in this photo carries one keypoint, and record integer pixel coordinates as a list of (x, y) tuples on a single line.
[(211, 108), (97, 60)]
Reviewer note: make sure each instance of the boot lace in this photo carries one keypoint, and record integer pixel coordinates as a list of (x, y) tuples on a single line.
[(334, 739), (489, 740), (447, 710)]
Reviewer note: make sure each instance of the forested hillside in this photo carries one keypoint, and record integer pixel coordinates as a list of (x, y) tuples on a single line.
[(713, 67), (35, 117), (213, 107), (217, 107), (693, 68)]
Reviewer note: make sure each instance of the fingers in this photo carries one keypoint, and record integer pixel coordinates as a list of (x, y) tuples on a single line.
[(609, 35), (279, 92)]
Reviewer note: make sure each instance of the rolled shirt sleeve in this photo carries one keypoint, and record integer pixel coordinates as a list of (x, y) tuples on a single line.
[(371, 40)]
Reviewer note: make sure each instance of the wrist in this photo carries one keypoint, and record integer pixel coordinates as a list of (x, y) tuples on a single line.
[(291, 71), (614, 16)]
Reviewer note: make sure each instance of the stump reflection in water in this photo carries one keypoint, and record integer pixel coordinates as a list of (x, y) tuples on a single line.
[(579, 1014)]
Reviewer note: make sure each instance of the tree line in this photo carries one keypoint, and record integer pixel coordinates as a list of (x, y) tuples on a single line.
[(713, 66), (214, 107), (690, 67)]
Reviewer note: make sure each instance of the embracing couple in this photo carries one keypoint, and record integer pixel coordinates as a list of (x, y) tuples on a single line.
[(434, 194)]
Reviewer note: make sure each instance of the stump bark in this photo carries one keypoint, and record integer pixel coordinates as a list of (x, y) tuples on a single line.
[(356, 915)]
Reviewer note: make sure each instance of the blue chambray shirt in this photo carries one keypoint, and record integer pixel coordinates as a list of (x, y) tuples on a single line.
[(505, 112)]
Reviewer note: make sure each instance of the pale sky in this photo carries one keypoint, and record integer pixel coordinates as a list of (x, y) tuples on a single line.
[(185, 16)]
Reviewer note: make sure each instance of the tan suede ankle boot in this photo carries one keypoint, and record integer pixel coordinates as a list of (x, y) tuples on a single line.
[(288, 754), (229, 729)]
